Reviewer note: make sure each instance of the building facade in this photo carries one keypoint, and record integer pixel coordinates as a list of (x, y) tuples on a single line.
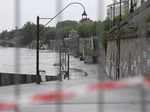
[(86, 21)]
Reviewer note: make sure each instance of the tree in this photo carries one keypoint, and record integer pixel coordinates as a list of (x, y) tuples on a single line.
[(66, 23), (4, 35), (49, 34), (86, 30), (29, 33)]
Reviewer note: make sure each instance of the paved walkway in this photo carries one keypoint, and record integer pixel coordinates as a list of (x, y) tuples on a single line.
[(117, 100)]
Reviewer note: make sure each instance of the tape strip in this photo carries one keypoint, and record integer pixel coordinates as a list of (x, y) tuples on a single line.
[(76, 91), (50, 97), (7, 106)]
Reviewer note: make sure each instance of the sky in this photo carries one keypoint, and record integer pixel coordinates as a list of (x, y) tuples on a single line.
[(47, 8)]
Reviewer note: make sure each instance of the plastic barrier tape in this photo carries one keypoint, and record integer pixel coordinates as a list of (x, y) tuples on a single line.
[(76, 91)]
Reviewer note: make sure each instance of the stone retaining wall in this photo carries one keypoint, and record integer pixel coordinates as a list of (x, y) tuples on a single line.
[(86, 47), (11, 79), (134, 54), (134, 38)]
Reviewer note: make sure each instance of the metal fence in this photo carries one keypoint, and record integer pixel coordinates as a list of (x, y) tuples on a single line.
[(59, 106)]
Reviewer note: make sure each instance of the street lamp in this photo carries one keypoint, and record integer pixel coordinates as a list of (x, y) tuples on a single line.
[(84, 15), (72, 3), (38, 78)]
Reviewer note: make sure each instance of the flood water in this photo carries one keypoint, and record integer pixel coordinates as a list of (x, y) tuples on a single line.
[(47, 59), (27, 61)]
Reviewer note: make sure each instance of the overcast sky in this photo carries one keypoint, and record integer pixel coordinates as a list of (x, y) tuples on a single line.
[(47, 8)]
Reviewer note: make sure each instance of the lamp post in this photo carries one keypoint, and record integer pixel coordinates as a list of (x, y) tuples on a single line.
[(72, 3), (37, 52), (38, 78)]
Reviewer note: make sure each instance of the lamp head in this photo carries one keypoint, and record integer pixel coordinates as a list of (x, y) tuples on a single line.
[(84, 14)]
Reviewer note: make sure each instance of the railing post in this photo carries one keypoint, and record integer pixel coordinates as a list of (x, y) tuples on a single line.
[(120, 10), (112, 18), (114, 15), (118, 62), (68, 65), (60, 72), (132, 7)]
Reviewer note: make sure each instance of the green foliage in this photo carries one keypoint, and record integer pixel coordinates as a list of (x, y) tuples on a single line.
[(48, 34), (106, 24), (125, 16), (148, 19), (117, 19), (3, 35), (64, 32), (86, 30), (67, 23), (82, 31), (27, 35)]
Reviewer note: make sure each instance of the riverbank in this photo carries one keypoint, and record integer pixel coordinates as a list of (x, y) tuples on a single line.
[(78, 69)]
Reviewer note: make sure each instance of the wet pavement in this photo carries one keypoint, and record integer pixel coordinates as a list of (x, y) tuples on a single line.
[(132, 99)]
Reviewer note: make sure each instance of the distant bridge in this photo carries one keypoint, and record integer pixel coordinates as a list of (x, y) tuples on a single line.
[(7, 43)]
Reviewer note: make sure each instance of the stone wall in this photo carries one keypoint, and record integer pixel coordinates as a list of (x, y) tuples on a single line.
[(86, 47), (10, 78), (89, 49), (73, 45), (134, 54)]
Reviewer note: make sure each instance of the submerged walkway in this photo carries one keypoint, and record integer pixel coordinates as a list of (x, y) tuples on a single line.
[(134, 98)]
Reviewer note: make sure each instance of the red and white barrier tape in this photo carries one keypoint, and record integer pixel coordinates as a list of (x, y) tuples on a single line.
[(7, 106), (76, 91)]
